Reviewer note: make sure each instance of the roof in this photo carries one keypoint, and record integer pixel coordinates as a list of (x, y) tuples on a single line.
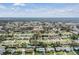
[(40, 49), (2, 49), (50, 49)]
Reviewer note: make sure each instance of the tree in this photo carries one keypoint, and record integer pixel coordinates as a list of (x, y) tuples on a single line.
[(74, 37), (60, 34), (24, 45), (2, 38)]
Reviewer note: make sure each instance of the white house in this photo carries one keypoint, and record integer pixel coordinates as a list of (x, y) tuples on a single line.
[(2, 49)]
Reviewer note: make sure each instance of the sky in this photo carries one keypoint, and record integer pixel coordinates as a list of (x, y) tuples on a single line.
[(39, 10)]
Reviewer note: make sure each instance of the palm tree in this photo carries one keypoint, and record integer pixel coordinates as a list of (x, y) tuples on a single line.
[(42, 44), (34, 39)]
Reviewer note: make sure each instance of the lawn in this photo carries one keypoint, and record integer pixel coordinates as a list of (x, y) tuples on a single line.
[(49, 53), (7, 53), (28, 53), (60, 53), (17, 53), (39, 53), (70, 53), (20, 41)]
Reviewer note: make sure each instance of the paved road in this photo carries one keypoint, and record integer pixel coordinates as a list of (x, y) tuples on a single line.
[(23, 51), (33, 53), (65, 53)]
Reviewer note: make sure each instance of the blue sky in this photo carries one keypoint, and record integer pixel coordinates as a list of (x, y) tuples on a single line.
[(39, 10)]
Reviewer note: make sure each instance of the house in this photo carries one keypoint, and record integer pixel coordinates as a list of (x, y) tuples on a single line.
[(49, 36), (22, 36), (29, 50), (40, 49), (64, 48), (50, 49), (76, 48), (12, 50), (58, 48), (66, 34), (68, 49), (2, 49), (38, 28)]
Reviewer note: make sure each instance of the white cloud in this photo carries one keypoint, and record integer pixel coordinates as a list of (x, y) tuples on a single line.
[(39, 12), (19, 4), (2, 7)]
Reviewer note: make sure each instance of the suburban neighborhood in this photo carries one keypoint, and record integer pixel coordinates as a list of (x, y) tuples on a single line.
[(39, 38)]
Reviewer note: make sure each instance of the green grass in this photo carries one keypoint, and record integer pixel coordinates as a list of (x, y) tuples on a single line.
[(60, 53), (38, 53), (50, 53), (28, 53), (17, 53), (70, 53), (7, 53)]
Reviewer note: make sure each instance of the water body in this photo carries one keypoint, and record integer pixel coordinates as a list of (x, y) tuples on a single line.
[(14, 19)]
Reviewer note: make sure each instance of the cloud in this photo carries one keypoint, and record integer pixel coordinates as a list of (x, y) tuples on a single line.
[(18, 4), (42, 13), (2, 7), (14, 11)]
